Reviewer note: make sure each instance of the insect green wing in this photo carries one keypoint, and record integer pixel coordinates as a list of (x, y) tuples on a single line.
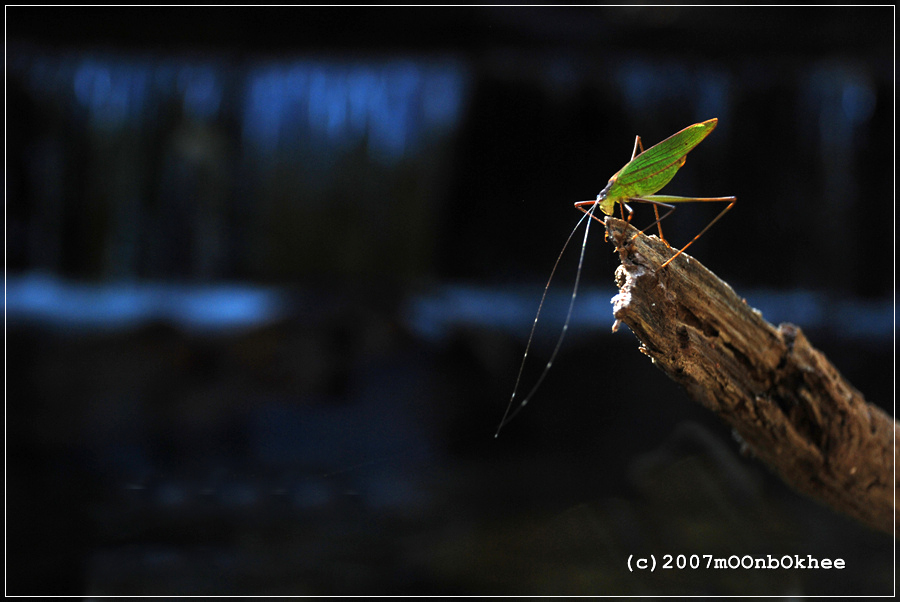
[(655, 167)]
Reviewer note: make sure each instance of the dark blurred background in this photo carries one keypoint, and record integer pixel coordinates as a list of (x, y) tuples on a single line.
[(270, 275)]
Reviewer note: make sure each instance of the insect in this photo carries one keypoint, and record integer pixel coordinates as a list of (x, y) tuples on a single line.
[(645, 174)]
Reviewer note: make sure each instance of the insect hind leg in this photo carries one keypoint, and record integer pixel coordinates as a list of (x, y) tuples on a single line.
[(656, 206), (732, 200)]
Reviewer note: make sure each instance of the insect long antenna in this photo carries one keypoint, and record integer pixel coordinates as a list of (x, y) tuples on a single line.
[(509, 415)]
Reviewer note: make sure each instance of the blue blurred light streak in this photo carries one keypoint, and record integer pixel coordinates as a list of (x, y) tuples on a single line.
[(394, 106), (47, 300), (436, 315)]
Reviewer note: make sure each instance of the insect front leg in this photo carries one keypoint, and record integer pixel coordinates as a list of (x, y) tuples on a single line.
[(580, 206)]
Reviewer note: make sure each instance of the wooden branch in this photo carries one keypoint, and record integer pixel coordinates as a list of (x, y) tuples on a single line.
[(790, 406)]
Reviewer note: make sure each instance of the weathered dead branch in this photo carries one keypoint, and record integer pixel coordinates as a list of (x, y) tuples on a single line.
[(789, 405)]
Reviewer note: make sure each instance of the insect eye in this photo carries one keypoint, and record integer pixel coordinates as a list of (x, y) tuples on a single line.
[(602, 195)]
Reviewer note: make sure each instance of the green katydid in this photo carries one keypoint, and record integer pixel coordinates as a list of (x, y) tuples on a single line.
[(645, 174)]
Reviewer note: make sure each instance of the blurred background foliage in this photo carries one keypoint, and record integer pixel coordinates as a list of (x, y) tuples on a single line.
[(270, 274)]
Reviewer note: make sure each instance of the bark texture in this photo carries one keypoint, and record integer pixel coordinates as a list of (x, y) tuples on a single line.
[(790, 406)]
